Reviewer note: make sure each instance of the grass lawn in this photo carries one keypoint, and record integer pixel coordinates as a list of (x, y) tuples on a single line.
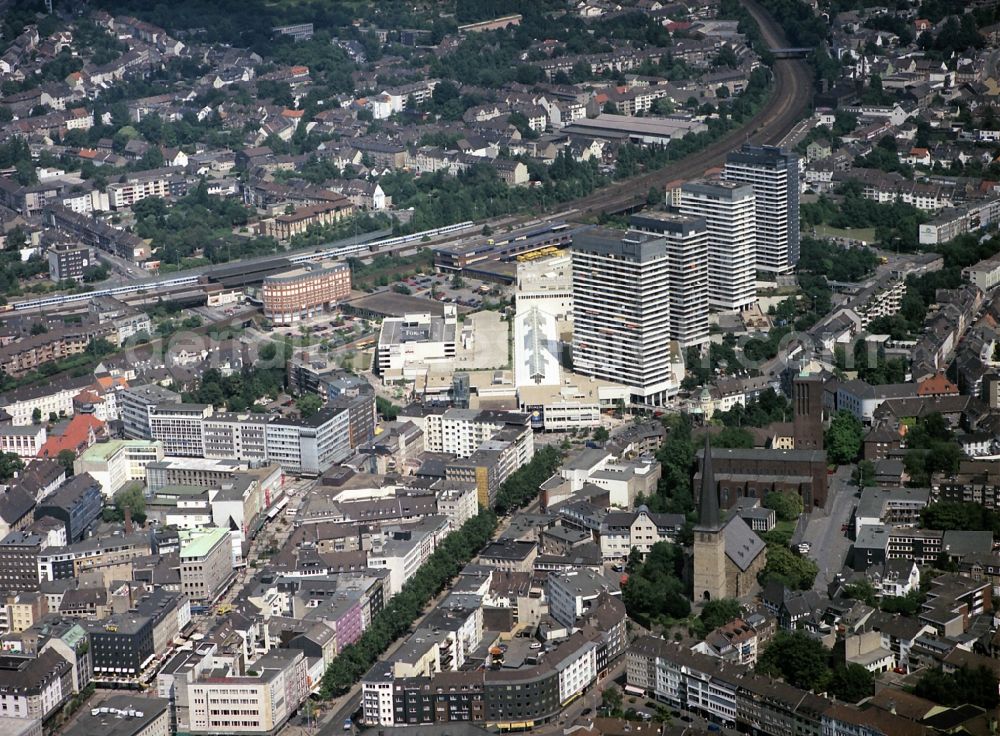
[(782, 533), (866, 234)]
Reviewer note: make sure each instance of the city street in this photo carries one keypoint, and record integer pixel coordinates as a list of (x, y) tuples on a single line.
[(830, 545)]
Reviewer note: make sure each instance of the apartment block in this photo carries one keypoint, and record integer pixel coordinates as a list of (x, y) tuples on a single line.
[(773, 173), (156, 183), (67, 262), (93, 553), (621, 313), (34, 687), (729, 210), (19, 552), (686, 242)]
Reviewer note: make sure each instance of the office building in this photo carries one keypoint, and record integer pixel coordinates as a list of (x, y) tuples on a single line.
[(135, 403), (259, 701), (77, 503), (621, 312), (178, 427), (115, 463), (25, 442), (686, 241), (411, 345), (774, 175), (124, 715), (729, 211), (206, 563), (67, 262), (305, 292)]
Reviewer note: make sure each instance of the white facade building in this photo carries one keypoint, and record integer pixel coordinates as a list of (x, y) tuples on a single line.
[(621, 313), (686, 240), (774, 175), (729, 210)]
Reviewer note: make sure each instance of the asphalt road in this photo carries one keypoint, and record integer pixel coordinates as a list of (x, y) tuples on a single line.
[(830, 545)]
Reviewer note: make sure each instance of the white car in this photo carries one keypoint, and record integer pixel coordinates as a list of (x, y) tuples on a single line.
[(804, 548), (535, 645)]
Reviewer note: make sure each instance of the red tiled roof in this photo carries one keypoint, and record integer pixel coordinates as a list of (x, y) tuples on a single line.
[(75, 438)]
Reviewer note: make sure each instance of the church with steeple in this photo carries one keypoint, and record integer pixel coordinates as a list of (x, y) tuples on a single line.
[(727, 554)]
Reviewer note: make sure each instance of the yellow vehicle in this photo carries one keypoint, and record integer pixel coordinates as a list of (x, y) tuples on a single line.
[(223, 609)]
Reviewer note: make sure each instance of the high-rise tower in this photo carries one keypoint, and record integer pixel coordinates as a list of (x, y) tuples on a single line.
[(686, 241), (773, 173), (621, 312), (728, 209)]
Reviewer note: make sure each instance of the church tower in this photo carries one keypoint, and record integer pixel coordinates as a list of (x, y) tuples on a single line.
[(709, 538)]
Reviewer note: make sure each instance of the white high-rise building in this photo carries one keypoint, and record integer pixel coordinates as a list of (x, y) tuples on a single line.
[(686, 242), (773, 173), (729, 210), (621, 313)]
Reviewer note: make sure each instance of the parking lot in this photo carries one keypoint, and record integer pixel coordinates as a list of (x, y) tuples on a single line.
[(462, 291)]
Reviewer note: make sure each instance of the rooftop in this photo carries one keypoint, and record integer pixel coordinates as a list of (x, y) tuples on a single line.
[(199, 542)]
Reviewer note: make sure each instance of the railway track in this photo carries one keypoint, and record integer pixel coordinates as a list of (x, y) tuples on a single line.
[(785, 106)]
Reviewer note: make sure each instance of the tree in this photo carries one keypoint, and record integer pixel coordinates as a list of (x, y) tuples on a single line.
[(844, 438), (786, 506), (797, 657), (903, 605), (851, 682), (10, 465), (36, 416), (733, 437), (611, 698), (308, 404), (862, 591), (864, 474), (66, 459), (792, 570), (131, 498), (973, 685), (386, 408), (601, 435), (720, 612), (654, 591)]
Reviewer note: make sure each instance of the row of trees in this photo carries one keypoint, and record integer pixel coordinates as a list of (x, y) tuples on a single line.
[(522, 487), (479, 193), (400, 612)]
